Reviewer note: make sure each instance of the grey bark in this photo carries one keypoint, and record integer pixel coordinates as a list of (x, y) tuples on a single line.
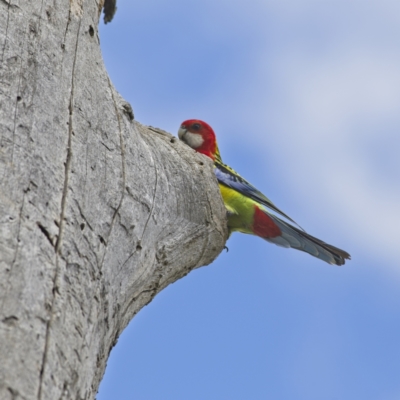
[(97, 212)]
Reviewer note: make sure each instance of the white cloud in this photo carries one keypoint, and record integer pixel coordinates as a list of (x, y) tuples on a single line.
[(330, 116)]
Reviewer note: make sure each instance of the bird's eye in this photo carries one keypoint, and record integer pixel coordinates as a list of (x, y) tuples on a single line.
[(196, 126)]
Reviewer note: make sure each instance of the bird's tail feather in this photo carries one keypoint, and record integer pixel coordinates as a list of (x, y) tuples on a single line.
[(300, 240)]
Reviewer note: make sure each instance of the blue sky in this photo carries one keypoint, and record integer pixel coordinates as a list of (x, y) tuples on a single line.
[(304, 97)]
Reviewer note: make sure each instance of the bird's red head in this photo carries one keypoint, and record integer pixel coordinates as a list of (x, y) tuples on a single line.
[(199, 136)]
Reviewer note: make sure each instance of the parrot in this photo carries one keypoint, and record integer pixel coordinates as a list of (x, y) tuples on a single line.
[(248, 210)]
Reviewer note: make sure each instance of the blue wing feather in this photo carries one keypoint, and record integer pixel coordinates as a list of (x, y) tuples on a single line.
[(230, 178)]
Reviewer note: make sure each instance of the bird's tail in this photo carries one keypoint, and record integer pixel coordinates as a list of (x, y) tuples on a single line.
[(294, 237)]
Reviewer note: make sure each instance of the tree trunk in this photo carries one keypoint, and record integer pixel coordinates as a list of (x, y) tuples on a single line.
[(97, 212)]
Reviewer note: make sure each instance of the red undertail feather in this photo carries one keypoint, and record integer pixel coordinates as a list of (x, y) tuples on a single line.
[(264, 226)]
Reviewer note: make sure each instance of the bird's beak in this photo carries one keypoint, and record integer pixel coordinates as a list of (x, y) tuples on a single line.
[(181, 132)]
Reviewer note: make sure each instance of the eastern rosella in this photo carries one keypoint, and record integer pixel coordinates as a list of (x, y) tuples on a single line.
[(248, 210)]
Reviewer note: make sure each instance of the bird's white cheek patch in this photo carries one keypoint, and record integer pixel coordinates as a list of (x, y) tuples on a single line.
[(194, 140)]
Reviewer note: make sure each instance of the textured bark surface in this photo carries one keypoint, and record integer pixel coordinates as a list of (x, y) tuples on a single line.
[(97, 212)]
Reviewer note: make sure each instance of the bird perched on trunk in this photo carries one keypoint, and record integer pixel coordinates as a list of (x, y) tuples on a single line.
[(248, 210)]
